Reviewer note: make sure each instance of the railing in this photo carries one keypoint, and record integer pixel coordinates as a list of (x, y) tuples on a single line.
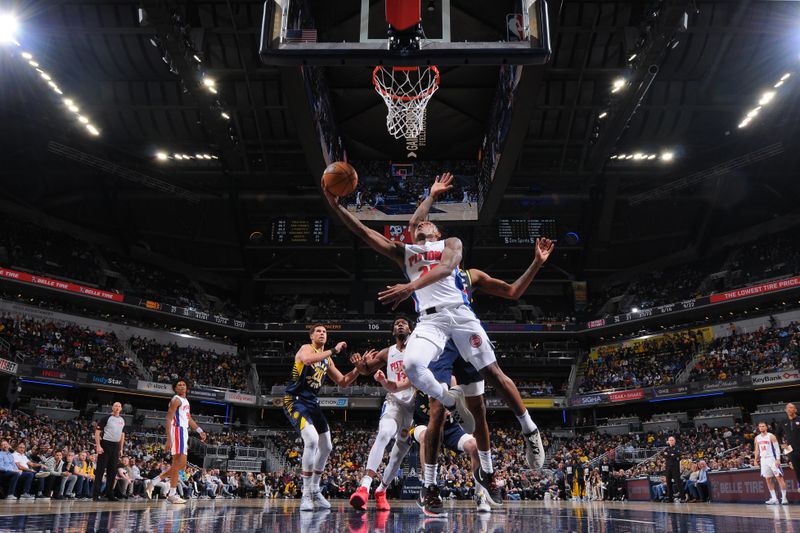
[(686, 373)]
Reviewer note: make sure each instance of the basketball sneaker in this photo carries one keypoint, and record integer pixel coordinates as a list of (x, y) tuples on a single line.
[(462, 416), (534, 449), (320, 501), (174, 498), (772, 501), (486, 482), (307, 502), (784, 501), (421, 499), (359, 498), (433, 502), (483, 501), (381, 504)]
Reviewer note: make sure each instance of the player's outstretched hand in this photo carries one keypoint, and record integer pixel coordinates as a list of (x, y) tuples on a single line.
[(332, 199), (544, 248), (394, 294), (380, 377), (442, 184), (340, 346)]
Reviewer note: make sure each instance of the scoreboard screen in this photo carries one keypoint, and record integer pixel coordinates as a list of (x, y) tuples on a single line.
[(311, 230), (525, 231)]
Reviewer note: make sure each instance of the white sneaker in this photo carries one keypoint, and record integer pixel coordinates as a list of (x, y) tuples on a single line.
[(534, 449), (175, 499), (483, 502), (149, 485), (307, 502), (784, 501), (319, 501), (462, 414), (772, 501)]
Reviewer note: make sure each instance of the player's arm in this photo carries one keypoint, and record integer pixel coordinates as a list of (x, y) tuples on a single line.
[(513, 291), (392, 386), (391, 249), (441, 185), (173, 407), (451, 257), (194, 427), (345, 380), (367, 366), (755, 452), (308, 356)]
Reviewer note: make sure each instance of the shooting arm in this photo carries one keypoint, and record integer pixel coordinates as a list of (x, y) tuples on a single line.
[(391, 249)]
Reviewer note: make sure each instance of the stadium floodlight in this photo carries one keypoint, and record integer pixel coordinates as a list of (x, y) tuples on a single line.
[(45, 76), (28, 56), (196, 58), (777, 85), (8, 28), (667, 156), (68, 102), (618, 84), (73, 108), (744, 123), (638, 155), (33, 63), (633, 56), (603, 114), (225, 115), (766, 98), (786, 76), (651, 156), (94, 131), (162, 156), (753, 112), (209, 82), (622, 156), (82, 119), (634, 309)]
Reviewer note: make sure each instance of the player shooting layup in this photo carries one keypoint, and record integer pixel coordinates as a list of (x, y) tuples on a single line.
[(179, 420), (431, 265)]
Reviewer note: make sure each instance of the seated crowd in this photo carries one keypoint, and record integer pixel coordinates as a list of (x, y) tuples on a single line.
[(768, 349), (642, 363), (168, 362)]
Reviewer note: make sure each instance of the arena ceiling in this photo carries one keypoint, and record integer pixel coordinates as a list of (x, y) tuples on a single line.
[(708, 77)]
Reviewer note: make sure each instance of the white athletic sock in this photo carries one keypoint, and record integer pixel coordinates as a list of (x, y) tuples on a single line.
[(381, 488), (315, 481), (526, 422), (486, 461), (430, 474), (171, 492), (366, 482), (783, 493), (772, 493), (306, 483)]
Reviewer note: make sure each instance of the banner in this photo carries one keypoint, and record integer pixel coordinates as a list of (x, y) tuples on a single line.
[(776, 378), (51, 373), (108, 380), (626, 395), (747, 486), (538, 403), (756, 290), (240, 397), (674, 390), (722, 384), (152, 386), (9, 367), (202, 392), (591, 399), (579, 293), (333, 402), (638, 489), (60, 285)]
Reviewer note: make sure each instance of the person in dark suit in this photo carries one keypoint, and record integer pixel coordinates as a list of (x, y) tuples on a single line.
[(672, 458)]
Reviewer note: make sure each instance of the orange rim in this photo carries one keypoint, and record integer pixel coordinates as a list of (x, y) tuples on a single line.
[(423, 94)]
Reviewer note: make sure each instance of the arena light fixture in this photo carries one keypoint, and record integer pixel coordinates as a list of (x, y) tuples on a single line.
[(634, 309), (604, 114), (766, 98), (633, 56), (197, 58), (786, 76), (162, 156), (94, 131), (225, 115), (618, 84), (9, 25), (667, 156), (82, 119)]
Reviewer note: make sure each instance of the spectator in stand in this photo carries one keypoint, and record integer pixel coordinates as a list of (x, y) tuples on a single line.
[(10, 473), (27, 469)]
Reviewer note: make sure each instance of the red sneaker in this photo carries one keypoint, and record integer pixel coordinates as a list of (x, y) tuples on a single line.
[(380, 501), (359, 498)]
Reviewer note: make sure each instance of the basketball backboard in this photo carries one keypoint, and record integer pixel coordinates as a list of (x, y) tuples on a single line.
[(453, 32)]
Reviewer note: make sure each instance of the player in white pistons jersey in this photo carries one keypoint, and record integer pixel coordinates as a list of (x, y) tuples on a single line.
[(430, 265), (179, 420), (768, 453), (397, 415)]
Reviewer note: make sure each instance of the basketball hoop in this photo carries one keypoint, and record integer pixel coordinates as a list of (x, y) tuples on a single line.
[(406, 92)]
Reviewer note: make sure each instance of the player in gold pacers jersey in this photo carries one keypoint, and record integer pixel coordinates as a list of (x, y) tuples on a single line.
[(301, 406)]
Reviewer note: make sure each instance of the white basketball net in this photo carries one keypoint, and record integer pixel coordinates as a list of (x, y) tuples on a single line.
[(406, 92)]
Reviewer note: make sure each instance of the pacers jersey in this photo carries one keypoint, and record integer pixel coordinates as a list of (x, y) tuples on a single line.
[(182, 413), (395, 371), (421, 409), (421, 259), (307, 379), (766, 448)]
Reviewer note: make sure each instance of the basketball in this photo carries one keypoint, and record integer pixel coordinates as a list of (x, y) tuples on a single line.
[(340, 178)]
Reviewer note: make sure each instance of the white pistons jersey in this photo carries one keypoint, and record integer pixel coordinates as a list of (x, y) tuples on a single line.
[(182, 413), (768, 449), (395, 371), (421, 259)]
